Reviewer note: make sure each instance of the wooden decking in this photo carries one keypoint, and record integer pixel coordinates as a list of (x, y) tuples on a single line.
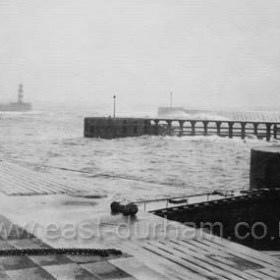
[(211, 259), (165, 255), (17, 180), (275, 254), (159, 249)]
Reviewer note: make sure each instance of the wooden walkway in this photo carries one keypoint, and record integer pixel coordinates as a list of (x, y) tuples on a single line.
[(17, 180), (166, 255), (206, 259), (197, 255), (169, 250)]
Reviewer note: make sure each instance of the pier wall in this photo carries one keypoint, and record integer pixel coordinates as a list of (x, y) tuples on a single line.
[(109, 128), (251, 220), (127, 127)]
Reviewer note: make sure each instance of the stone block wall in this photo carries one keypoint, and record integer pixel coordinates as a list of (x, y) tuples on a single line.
[(109, 128)]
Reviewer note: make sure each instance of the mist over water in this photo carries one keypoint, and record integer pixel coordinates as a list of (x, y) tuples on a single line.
[(208, 53), (156, 166)]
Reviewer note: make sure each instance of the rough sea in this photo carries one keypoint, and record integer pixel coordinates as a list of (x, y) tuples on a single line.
[(148, 167)]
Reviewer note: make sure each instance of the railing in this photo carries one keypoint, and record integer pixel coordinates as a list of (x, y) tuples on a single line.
[(160, 203), (170, 202), (232, 196), (224, 128)]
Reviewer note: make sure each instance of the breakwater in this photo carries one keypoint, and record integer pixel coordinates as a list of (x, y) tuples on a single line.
[(127, 127)]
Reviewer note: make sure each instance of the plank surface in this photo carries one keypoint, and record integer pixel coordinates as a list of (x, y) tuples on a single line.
[(165, 254), (17, 180), (137, 269)]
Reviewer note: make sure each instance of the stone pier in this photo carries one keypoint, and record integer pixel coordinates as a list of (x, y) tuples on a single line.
[(109, 128)]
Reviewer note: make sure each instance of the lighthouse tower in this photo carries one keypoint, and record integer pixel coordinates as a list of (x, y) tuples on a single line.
[(20, 93)]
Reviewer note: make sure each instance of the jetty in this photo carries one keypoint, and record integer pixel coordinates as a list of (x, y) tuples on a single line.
[(155, 245), (171, 250), (130, 127)]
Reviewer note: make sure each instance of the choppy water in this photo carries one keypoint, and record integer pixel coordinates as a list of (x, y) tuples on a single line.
[(155, 166)]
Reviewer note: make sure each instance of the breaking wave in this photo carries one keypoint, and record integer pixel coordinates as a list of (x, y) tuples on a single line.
[(261, 116)]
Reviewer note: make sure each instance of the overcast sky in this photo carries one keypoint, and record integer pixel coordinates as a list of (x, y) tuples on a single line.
[(208, 52)]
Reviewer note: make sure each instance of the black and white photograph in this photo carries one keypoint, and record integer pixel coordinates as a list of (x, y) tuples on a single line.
[(140, 140)]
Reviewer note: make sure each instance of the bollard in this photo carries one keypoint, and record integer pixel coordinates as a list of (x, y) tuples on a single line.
[(129, 209)]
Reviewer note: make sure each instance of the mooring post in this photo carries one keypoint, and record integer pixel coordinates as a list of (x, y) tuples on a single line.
[(256, 128), (243, 130), (218, 124), (268, 131), (230, 129), (193, 127), (169, 126), (205, 125), (275, 131), (181, 123)]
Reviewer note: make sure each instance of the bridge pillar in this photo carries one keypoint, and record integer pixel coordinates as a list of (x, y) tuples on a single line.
[(243, 130), (169, 127), (256, 128), (218, 124), (275, 131), (205, 126), (156, 127), (268, 131), (181, 131), (193, 127), (230, 129)]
